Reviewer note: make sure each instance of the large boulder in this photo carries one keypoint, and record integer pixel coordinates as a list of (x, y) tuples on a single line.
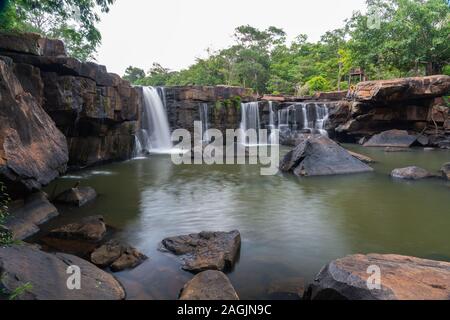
[(401, 278), (318, 155), (206, 250), (33, 151), (209, 285), (402, 89), (47, 276), (392, 138), (90, 228), (77, 196), (445, 170), (31, 43), (411, 173), (25, 217)]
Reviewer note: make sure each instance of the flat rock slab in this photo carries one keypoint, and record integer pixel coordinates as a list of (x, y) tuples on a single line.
[(206, 250), (411, 173), (47, 275), (117, 256), (209, 285), (392, 138), (25, 219), (318, 155), (402, 278), (90, 228), (361, 157), (78, 196)]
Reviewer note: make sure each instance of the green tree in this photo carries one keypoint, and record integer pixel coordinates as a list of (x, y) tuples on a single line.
[(134, 74)]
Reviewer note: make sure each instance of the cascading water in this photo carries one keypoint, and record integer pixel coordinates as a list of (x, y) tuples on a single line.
[(250, 118), (303, 116), (154, 136), (272, 126), (204, 118)]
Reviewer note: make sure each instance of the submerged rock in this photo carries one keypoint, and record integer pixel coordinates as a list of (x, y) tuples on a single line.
[(318, 155), (206, 250), (397, 149), (77, 196), (391, 138), (290, 288), (90, 228), (209, 285), (118, 256), (402, 278), (26, 217), (361, 157), (47, 276), (411, 173), (445, 170)]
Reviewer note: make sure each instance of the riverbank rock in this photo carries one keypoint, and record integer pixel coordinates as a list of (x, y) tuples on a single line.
[(209, 285), (391, 138), (318, 155), (25, 217), (206, 250), (445, 170), (117, 256), (411, 173), (78, 196), (90, 228), (33, 151), (402, 278), (47, 276)]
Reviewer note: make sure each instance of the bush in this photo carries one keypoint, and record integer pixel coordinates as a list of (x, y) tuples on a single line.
[(318, 84)]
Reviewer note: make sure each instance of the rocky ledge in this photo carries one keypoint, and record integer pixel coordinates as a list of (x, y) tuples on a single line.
[(401, 278), (206, 250)]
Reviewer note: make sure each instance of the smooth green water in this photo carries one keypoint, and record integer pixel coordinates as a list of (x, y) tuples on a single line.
[(290, 227)]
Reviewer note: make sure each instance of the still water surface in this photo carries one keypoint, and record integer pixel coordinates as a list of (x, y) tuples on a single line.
[(290, 227)]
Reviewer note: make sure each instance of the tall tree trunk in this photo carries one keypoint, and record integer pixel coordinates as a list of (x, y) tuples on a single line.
[(432, 68)]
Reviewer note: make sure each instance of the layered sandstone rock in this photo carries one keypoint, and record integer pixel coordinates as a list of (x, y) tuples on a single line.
[(400, 278), (97, 111), (33, 151)]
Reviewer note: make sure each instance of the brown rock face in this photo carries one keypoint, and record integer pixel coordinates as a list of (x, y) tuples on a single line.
[(118, 256), (209, 285), (206, 250), (411, 173), (318, 155), (90, 228), (33, 151), (402, 278), (402, 89), (78, 196), (48, 277)]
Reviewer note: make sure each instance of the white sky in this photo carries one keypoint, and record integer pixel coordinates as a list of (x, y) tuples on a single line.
[(175, 32)]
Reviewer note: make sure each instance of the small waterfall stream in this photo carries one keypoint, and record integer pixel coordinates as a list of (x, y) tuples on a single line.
[(204, 118), (304, 116), (154, 136)]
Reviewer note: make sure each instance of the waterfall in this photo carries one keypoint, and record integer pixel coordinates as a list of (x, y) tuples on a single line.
[(204, 119), (154, 135), (250, 116), (271, 123), (321, 118), (288, 118)]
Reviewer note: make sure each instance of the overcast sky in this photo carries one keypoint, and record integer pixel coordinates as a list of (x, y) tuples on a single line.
[(175, 32)]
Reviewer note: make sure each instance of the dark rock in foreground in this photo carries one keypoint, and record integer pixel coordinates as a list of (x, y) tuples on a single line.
[(90, 228), (402, 278), (318, 155), (78, 196), (445, 170), (118, 256), (209, 285), (411, 173), (206, 250), (27, 216), (391, 138), (47, 275)]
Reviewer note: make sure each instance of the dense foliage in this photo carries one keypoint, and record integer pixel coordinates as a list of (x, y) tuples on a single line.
[(395, 38), (70, 20)]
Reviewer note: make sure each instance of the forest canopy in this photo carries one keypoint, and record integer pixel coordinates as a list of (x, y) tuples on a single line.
[(395, 38)]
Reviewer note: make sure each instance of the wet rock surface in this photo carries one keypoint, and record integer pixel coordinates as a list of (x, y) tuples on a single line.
[(445, 171), (318, 155), (392, 138), (402, 278), (91, 228), (47, 276), (411, 173), (77, 196), (287, 289), (206, 250), (209, 285)]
